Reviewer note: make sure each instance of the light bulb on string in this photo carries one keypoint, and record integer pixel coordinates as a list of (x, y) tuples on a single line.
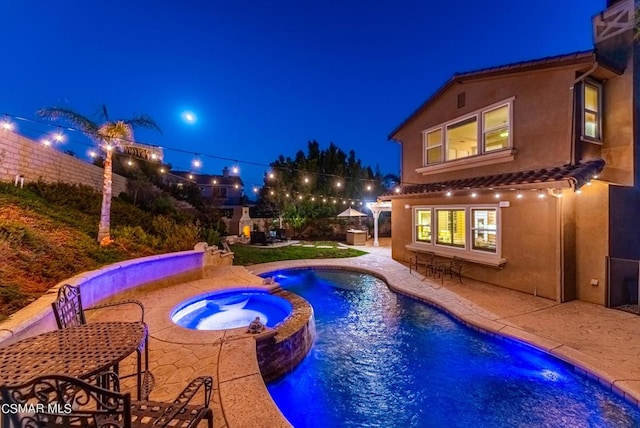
[(519, 195), (58, 136), (235, 169), (197, 163), (46, 142), (6, 124)]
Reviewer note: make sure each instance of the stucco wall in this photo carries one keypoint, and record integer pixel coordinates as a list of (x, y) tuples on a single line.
[(592, 241), (540, 130), (530, 240), (22, 156)]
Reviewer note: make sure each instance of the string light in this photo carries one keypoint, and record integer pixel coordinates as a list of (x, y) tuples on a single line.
[(46, 142), (235, 169), (306, 179), (161, 170), (255, 190), (497, 195), (519, 195), (541, 194), (6, 124), (474, 194), (58, 136), (448, 193)]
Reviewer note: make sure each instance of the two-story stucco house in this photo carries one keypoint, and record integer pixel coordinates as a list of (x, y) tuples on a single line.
[(529, 171)]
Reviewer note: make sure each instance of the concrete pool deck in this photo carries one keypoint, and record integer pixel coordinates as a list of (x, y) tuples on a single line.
[(602, 342)]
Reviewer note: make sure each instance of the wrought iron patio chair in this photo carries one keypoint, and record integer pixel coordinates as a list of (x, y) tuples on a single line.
[(69, 312), (426, 258), (454, 268), (63, 401)]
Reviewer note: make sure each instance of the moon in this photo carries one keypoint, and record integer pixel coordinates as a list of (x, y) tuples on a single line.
[(189, 117)]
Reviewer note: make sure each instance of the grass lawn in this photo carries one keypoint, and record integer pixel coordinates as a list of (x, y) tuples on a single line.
[(245, 255)]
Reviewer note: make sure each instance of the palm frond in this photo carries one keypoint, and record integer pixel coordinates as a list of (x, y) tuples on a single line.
[(143, 121), (102, 113), (75, 119)]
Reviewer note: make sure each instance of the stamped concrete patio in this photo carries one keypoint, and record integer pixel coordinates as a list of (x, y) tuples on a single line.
[(602, 342)]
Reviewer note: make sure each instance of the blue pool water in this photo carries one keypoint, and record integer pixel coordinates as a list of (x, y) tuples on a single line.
[(231, 309), (384, 360)]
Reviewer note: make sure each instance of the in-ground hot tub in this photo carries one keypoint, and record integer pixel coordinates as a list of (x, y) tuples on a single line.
[(231, 309)]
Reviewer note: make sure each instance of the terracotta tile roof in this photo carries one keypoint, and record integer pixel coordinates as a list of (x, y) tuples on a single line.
[(577, 175)]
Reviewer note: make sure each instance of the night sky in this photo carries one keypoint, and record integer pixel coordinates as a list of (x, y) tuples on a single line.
[(265, 77)]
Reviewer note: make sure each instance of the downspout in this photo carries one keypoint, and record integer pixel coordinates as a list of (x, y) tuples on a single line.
[(581, 78)]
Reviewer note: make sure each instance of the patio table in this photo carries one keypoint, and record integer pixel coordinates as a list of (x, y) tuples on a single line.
[(82, 351)]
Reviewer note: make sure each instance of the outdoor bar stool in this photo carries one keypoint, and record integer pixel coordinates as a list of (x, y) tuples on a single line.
[(69, 312)]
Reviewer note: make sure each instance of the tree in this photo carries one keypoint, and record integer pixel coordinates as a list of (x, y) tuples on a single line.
[(318, 184), (108, 134)]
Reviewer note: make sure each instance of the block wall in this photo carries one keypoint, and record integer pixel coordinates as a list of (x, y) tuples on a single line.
[(22, 156)]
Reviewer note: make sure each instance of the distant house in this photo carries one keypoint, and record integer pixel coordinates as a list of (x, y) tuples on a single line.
[(529, 171), (225, 192)]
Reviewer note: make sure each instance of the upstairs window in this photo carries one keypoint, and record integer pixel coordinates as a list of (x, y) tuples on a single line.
[(462, 138), (592, 111), (496, 129), (484, 131), (433, 144)]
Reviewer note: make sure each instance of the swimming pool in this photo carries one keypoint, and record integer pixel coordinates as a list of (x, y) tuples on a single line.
[(230, 309), (381, 359)]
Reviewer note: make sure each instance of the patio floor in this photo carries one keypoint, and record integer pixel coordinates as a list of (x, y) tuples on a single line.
[(603, 342)]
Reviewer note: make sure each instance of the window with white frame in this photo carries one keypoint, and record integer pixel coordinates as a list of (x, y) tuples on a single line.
[(496, 129), (469, 228), (592, 111), (423, 225), (451, 227), (484, 131), (433, 146), (484, 229), (462, 138)]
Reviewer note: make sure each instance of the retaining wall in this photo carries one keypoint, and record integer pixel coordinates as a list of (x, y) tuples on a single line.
[(22, 156), (99, 285)]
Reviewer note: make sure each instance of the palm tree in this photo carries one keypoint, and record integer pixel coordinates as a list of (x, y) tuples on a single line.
[(108, 134)]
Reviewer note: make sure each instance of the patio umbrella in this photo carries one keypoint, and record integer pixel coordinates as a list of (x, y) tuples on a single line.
[(350, 212)]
